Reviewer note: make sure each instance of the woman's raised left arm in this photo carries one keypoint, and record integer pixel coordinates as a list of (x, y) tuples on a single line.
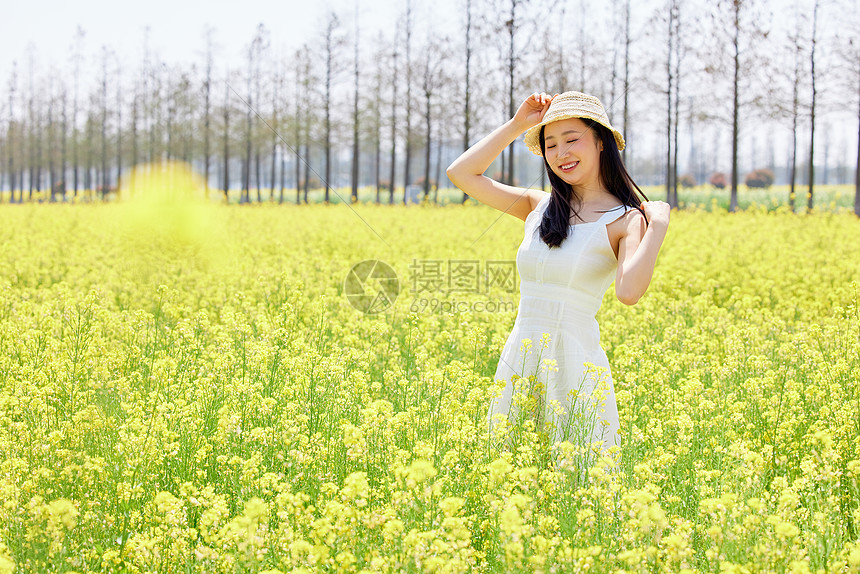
[(638, 249)]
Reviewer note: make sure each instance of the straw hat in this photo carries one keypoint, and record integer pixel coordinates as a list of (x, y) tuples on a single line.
[(572, 105)]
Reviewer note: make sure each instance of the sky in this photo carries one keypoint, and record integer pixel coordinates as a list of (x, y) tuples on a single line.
[(177, 27)]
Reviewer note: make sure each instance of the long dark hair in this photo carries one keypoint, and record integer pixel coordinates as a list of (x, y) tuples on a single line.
[(613, 175)]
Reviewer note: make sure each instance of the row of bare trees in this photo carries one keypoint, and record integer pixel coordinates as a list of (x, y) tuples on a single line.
[(382, 110)]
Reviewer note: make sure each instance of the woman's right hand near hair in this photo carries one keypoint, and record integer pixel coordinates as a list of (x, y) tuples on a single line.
[(532, 110)]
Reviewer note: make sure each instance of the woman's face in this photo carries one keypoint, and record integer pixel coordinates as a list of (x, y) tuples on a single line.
[(573, 151)]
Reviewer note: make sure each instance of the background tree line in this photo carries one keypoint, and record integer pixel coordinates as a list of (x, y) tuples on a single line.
[(696, 87)]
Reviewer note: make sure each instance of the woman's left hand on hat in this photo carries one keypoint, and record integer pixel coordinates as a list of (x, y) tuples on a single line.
[(533, 109)]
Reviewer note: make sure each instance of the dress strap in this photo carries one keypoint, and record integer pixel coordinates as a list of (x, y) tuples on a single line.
[(613, 214), (539, 209), (544, 201)]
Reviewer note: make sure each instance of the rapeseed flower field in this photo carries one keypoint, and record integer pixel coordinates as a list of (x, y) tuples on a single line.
[(189, 389)]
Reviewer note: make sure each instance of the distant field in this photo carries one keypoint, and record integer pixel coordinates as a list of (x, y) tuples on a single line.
[(827, 197), (833, 198), (188, 389)]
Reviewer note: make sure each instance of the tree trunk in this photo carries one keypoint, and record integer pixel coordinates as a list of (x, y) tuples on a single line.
[(51, 138), (812, 111), (4, 176), (255, 143), (104, 176), (626, 75), (35, 141), (676, 121), (669, 53), (10, 140), (427, 95), (273, 172), (355, 126), (377, 137), (613, 72), (152, 110), (306, 129), (675, 146), (273, 168), (582, 32), (298, 156), (134, 113), (438, 169), (118, 132), (509, 178), (226, 183), (857, 165), (38, 162), (393, 129), (377, 172), (407, 165), (171, 112), (75, 135), (245, 196), (733, 201), (88, 177), (794, 106), (329, 63), (283, 177), (793, 171), (207, 90), (298, 123), (467, 111), (307, 181)]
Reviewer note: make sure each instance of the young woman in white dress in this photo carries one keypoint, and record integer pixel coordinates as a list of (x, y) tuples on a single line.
[(591, 229)]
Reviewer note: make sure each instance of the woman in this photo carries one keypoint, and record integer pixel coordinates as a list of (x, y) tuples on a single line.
[(591, 229)]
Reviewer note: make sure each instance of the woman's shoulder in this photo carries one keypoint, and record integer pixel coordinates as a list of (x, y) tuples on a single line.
[(630, 218)]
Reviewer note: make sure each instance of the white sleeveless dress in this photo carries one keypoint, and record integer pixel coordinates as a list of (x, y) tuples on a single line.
[(561, 290)]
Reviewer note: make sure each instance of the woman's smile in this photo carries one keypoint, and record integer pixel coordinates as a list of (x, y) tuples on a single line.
[(568, 167)]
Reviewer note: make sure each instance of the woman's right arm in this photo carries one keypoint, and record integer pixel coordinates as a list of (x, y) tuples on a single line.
[(467, 171)]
